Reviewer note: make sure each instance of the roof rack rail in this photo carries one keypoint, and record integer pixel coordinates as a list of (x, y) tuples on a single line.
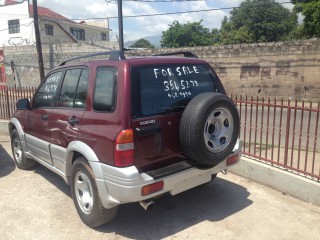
[(184, 53), (113, 55)]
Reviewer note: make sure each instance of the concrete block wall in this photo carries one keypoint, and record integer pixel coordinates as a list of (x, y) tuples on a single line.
[(283, 69), (25, 59)]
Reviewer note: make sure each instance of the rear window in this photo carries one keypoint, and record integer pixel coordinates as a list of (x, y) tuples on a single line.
[(162, 89)]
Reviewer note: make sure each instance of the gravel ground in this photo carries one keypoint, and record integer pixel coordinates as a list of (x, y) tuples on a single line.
[(37, 204)]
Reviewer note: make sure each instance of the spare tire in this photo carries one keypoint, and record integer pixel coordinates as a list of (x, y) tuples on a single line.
[(209, 128)]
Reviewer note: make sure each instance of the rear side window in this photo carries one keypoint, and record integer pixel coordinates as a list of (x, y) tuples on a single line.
[(81, 95), (104, 92), (68, 89), (74, 89), (168, 88)]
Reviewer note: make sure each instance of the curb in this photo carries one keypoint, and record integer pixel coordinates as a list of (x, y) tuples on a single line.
[(4, 127), (279, 179)]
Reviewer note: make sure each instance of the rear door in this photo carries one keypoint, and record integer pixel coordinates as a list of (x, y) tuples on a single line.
[(159, 96), (65, 119)]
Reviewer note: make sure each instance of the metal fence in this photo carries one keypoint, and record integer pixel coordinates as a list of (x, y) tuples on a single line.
[(8, 98), (283, 133)]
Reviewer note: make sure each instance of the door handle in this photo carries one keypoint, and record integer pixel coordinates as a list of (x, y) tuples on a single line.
[(148, 130), (44, 117), (73, 121)]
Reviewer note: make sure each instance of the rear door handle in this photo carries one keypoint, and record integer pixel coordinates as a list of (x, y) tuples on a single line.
[(73, 121), (148, 130)]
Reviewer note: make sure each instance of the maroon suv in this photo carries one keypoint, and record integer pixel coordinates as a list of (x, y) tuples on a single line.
[(127, 130)]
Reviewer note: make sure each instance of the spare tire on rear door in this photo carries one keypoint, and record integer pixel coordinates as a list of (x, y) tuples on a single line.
[(209, 128)]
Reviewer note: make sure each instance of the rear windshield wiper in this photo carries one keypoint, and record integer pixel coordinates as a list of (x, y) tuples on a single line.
[(173, 108)]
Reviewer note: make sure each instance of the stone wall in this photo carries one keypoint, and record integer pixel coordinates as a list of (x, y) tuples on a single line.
[(284, 69)]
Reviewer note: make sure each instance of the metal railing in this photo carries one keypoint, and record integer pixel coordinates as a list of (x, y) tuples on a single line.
[(8, 98), (282, 132)]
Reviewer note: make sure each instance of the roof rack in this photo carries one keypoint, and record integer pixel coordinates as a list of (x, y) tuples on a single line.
[(184, 53), (113, 55)]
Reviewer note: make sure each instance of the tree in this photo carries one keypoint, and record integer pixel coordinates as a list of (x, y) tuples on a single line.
[(142, 43), (258, 21), (186, 35), (310, 9)]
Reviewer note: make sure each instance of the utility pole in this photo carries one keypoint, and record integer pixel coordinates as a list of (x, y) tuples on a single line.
[(120, 23), (38, 40)]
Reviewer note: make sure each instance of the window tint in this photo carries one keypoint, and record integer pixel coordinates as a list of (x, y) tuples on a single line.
[(47, 94), (80, 100), (169, 88), (104, 96), (69, 87)]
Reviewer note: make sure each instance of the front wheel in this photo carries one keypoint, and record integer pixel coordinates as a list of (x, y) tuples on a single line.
[(18, 154), (85, 196)]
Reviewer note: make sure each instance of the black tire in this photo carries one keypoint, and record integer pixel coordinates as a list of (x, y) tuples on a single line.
[(18, 154), (90, 210), (209, 129)]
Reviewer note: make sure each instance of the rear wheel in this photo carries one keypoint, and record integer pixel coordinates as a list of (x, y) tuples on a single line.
[(209, 128), (18, 154), (85, 196)]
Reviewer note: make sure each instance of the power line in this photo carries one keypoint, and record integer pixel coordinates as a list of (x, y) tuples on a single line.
[(151, 1), (169, 13), (23, 25), (156, 14), (154, 1)]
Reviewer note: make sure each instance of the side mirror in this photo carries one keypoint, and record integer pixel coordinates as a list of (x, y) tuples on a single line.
[(23, 104)]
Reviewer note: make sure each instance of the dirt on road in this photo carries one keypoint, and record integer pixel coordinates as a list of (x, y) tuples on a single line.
[(37, 204)]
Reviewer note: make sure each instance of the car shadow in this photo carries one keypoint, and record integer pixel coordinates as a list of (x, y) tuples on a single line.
[(54, 179), (210, 202), (7, 164), (172, 214)]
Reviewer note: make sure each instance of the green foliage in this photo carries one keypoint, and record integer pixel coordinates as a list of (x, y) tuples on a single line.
[(186, 35), (310, 9), (258, 21), (142, 43)]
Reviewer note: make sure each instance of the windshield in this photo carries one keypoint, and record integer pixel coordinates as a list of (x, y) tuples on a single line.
[(161, 89)]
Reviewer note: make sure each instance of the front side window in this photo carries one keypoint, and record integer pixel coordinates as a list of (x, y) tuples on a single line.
[(104, 92), (78, 33), (159, 89), (49, 29), (47, 93), (14, 26)]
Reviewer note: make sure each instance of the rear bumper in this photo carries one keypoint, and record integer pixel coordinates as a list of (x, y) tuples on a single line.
[(123, 185)]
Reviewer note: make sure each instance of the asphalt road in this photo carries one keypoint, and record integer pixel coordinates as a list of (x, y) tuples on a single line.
[(37, 204)]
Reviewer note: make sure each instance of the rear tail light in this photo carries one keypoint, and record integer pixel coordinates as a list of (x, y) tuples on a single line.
[(232, 160), (151, 188), (124, 149)]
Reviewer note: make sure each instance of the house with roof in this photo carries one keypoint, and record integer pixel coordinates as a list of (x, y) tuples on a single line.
[(17, 26)]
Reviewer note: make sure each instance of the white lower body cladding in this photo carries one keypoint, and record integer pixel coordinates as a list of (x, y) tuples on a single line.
[(123, 185)]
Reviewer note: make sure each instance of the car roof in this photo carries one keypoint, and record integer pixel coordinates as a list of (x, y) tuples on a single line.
[(140, 60)]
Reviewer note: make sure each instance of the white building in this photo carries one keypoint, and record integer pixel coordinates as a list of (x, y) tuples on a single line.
[(17, 27)]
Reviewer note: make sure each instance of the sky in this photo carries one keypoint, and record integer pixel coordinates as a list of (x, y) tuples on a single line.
[(139, 27)]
